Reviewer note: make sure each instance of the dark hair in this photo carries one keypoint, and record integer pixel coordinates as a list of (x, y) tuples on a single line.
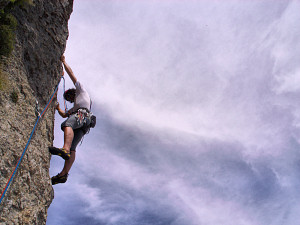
[(70, 93)]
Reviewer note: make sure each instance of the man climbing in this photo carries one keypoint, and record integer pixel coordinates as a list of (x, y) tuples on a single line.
[(75, 127)]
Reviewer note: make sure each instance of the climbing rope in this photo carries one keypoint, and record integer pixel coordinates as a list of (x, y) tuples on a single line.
[(39, 116), (64, 86)]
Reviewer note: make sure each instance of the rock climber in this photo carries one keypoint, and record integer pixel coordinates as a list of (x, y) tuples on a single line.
[(75, 127)]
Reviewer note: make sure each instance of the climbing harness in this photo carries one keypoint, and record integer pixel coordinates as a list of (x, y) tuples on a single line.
[(82, 115), (39, 116)]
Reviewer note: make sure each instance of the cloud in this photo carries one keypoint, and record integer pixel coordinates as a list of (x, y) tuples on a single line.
[(156, 65), (135, 173), (197, 115)]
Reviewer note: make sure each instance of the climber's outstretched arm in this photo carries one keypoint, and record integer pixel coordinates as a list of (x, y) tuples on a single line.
[(68, 69)]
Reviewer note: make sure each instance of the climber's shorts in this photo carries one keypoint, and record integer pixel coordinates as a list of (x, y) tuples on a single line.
[(79, 124)]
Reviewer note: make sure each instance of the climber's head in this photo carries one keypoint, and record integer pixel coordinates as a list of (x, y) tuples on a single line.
[(69, 94)]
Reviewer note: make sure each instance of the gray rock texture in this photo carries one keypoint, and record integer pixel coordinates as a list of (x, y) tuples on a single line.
[(30, 74)]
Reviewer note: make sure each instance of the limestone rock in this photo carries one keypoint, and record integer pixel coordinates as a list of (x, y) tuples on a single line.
[(31, 74)]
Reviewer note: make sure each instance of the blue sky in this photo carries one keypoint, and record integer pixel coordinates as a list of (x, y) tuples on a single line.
[(197, 114)]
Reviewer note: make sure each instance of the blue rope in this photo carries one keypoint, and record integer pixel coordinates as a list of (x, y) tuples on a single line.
[(24, 151)]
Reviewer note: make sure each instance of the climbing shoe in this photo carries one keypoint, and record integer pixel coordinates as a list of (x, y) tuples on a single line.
[(59, 179), (60, 151)]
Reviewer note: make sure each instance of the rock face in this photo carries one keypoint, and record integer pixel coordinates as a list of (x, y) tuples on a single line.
[(30, 74)]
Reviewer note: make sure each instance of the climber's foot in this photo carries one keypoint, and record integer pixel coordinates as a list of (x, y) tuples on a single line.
[(60, 152), (59, 179)]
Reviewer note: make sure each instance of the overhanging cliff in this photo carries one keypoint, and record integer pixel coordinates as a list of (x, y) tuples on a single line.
[(29, 74)]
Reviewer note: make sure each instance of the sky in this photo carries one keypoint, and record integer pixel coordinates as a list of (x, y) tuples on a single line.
[(198, 121)]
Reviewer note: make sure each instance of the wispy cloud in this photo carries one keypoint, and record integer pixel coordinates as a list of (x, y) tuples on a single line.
[(198, 121)]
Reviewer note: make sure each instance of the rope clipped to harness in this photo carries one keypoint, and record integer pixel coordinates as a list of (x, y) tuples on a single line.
[(39, 116)]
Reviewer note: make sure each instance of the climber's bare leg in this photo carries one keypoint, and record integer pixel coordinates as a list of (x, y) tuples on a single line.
[(68, 164), (68, 138)]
